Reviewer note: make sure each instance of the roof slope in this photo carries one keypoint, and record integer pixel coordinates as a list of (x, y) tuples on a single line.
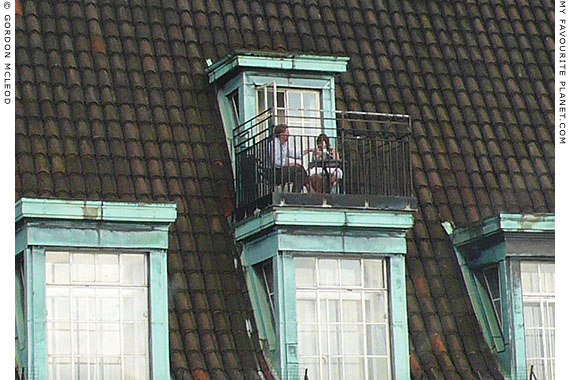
[(113, 103)]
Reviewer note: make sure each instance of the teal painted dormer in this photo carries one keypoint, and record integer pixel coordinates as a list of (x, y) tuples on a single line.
[(508, 266), (323, 203), (91, 289), (328, 289)]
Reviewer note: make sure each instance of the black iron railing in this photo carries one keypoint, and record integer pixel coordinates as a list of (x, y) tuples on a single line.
[(366, 154)]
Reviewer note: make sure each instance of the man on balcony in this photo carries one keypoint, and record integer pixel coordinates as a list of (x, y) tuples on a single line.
[(284, 170)]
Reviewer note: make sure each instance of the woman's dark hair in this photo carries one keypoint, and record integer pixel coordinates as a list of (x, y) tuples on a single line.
[(325, 138)]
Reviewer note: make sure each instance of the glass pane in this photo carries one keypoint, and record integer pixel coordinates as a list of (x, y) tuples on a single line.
[(550, 343), (83, 304), (373, 274), (354, 368), (133, 269), (85, 338), (59, 369), (328, 272), (107, 268), (59, 338), (378, 369), (533, 340), (529, 273), (376, 340), (374, 305), (57, 267), (550, 306), (305, 272), (83, 267), (309, 364), (350, 272), (306, 307), (294, 105), (330, 307), (135, 338), (547, 277), (134, 304), (85, 370), (109, 338), (336, 368), (57, 304), (108, 304), (308, 344), (111, 367), (351, 307), (334, 334), (353, 342), (532, 317)]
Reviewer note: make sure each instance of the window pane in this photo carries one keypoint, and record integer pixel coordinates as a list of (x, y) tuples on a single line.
[(135, 339), (107, 268), (336, 368), (83, 267), (57, 304), (373, 275), (111, 367), (109, 339), (375, 307), (307, 339), (351, 308), (59, 369), (108, 304), (311, 365), (85, 339), (378, 369), (57, 267), (352, 335), (134, 304), (547, 277), (532, 317), (83, 304), (133, 269), (350, 272), (59, 338), (306, 306), (354, 368), (85, 370), (305, 272), (328, 272), (529, 273), (330, 307), (135, 368), (376, 340), (334, 334)]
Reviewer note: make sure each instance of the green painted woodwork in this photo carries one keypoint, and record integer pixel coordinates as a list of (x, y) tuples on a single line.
[(159, 315), (92, 234), (262, 310), (34, 271), (43, 224), (496, 241), (325, 217), (250, 61), (21, 352), (282, 233), (95, 210), (516, 320), (399, 318), (533, 223)]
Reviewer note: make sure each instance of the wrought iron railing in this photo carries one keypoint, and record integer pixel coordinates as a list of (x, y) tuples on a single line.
[(368, 155)]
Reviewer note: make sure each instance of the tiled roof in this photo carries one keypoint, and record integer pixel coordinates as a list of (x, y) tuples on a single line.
[(113, 103)]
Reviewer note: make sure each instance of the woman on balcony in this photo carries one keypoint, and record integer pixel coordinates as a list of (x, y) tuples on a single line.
[(324, 172)]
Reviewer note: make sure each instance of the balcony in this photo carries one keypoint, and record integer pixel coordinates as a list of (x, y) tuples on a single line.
[(365, 165)]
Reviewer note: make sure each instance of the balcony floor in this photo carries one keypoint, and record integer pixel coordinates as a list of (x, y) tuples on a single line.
[(315, 200)]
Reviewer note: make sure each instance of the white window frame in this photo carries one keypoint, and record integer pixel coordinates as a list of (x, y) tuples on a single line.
[(321, 324)]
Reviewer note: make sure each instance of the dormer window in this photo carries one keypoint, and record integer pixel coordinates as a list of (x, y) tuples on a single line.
[(360, 153), (508, 267)]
